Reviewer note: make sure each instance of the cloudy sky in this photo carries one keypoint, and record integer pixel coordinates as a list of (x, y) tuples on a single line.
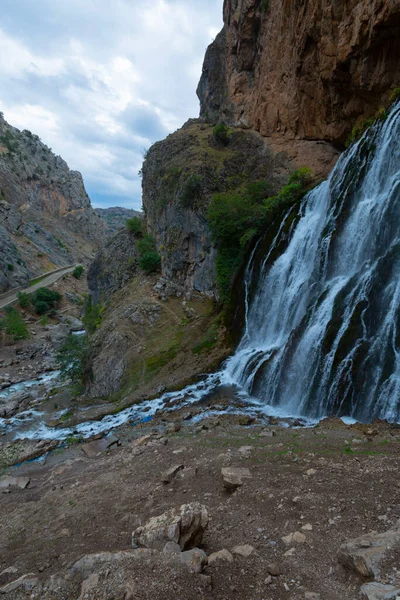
[(99, 80)]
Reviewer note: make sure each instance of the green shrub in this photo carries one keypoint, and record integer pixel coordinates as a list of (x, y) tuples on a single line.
[(221, 134), (45, 300), (14, 325), (236, 217), (74, 361), (395, 95), (150, 262), (10, 267), (192, 192), (135, 225), (24, 299), (146, 244), (93, 314), (78, 272)]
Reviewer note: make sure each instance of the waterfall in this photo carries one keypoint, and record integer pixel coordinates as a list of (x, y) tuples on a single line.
[(322, 333)]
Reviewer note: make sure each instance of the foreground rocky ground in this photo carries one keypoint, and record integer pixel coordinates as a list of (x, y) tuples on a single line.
[(300, 494)]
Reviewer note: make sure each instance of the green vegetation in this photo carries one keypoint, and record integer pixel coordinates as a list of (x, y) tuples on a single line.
[(192, 192), (14, 324), (236, 217), (24, 299), (10, 267), (45, 300), (135, 226), (264, 5), (209, 341), (78, 272), (221, 134), (93, 314), (9, 140), (150, 260), (44, 320), (395, 95), (73, 360)]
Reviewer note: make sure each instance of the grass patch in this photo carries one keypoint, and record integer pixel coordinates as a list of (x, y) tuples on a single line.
[(209, 341)]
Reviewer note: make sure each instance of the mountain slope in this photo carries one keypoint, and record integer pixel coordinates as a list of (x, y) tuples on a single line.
[(46, 218)]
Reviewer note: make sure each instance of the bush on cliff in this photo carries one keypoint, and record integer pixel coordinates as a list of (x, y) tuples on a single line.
[(24, 299), (93, 314), (135, 226), (150, 260), (236, 217), (221, 134)]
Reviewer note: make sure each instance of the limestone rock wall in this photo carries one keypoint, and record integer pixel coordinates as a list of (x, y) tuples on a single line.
[(304, 69)]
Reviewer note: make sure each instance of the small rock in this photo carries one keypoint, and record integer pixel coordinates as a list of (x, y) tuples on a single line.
[(173, 428), (221, 556), (195, 559), (244, 551), (307, 527), (170, 474), (268, 580), (141, 441), (172, 548), (274, 569), (267, 433), (311, 472), (184, 526), (290, 552), (379, 591), (297, 537), (245, 451), (233, 477)]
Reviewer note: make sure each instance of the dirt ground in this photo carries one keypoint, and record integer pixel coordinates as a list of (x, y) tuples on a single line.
[(331, 483)]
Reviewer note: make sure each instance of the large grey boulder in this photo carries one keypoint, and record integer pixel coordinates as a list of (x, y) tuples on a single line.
[(379, 591), (364, 555), (184, 526)]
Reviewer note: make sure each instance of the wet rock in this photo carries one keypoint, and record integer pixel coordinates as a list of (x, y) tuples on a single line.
[(244, 551), (379, 591), (184, 526), (26, 582), (221, 556), (365, 554), (233, 477), (170, 474), (195, 559)]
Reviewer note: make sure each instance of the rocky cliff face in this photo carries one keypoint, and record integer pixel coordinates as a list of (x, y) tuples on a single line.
[(304, 70), (180, 175), (46, 219)]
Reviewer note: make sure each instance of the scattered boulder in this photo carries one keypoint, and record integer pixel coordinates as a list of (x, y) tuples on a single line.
[(195, 559), (172, 548), (93, 449), (221, 556), (184, 526), (379, 591), (90, 563), (170, 474), (233, 477), (365, 554), (274, 569), (244, 551)]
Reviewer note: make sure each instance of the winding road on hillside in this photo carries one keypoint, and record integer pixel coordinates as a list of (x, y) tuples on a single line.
[(47, 280)]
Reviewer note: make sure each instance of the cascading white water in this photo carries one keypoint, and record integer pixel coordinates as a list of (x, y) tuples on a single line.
[(322, 328)]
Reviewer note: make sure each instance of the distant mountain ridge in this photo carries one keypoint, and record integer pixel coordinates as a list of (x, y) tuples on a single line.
[(46, 217), (115, 217)]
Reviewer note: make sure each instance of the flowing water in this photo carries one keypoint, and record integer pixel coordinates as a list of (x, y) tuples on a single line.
[(322, 334), (322, 328)]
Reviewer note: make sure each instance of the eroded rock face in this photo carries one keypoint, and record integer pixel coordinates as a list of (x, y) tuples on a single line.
[(46, 218), (304, 70)]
